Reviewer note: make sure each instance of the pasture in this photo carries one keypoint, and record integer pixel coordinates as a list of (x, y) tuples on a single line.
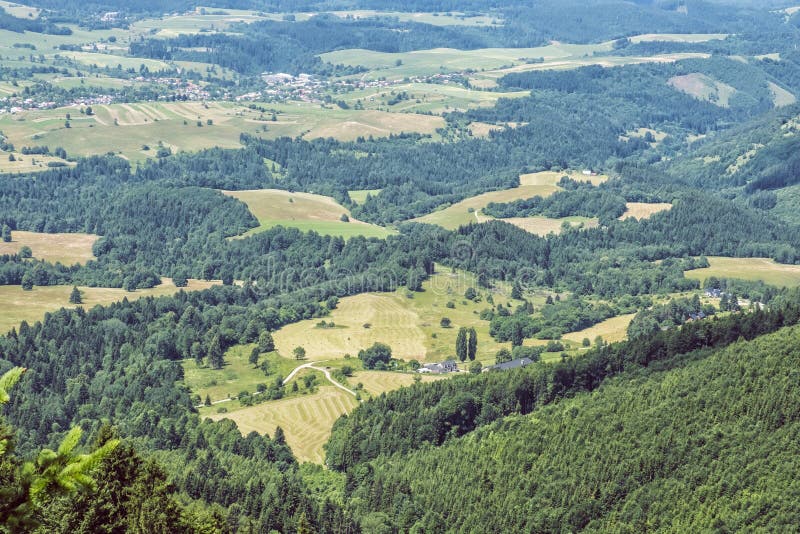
[(18, 305), (543, 226), (780, 96), (67, 249), (703, 87), (644, 210), (135, 131), (377, 382), (20, 11), (611, 330), (28, 163), (236, 375), (306, 420), (305, 211), (763, 269), (678, 37), (540, 183), (359, 196)]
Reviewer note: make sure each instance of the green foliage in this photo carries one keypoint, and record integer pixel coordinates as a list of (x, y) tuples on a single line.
[(376, 357)]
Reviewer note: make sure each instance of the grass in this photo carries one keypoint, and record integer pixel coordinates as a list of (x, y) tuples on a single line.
[(67, 249), (644, 210), (541, 184), (20, 11), (237, 375), (126, 129), (678, 37), (543, 226), (29, 163), (407, 325), (18, 305), (377, 382), (306, 420), (305, 211), (703, 87), (359, 196), (780, 96), (611, 330), (763, 269)]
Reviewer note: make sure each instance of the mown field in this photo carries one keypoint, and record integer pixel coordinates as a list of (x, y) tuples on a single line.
[(410, 326), (377, 382), (135, 131), (644, 210), (611, 330), (540, 183), (766, 270), (67, 249), (17, 305), (305, 211), (306, 420), (703, 87)]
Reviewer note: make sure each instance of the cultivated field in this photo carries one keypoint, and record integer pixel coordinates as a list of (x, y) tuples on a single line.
[(135, 130), (644, 210), (67, 249), (762, 269), (306, 420), (611, 330), (305, 211), (18, 305), (540, 183), (703, 87), (377, 382)]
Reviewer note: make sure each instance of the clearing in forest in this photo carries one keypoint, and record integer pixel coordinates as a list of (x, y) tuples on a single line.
[(306, 420), (703, 87), (377, 382), (764, 269), (305, 211), (67, 249), (611, 330), (644, 210)]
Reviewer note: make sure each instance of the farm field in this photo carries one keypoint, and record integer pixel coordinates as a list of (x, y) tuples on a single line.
[(29, 163), (678, 37), (20, 11), (306, 420), (377, 382), (703, 87), (18, 305), (135, 130), (611, 330), (644, 210), (763, 269), (407, 325), (543, 226), (540, 183), (65, 248), (305, 211)]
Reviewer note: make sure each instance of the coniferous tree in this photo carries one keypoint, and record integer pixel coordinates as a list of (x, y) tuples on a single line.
[(75, 296), (254, 356), (472, 344), (215, 354), (265, 342), (6, 234), (461, 344)]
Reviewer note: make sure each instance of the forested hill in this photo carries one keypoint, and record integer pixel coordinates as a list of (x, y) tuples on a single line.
[(682, 449)]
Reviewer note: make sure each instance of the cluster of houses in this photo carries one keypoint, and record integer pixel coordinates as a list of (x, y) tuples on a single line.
[(450, 366)]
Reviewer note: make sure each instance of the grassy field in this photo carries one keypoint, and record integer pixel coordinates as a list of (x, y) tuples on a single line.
[(377, 382), (65, 248), (27, 163), (407, 325), (611, 330), (127, 129), (678, 37), (237, 375), (543, 225), (540, 183), (703, 87), (20, 11), (18, 305), (644, 210), (306, 420), (762, 269), (780, 96), (359, 196), (304, 211)]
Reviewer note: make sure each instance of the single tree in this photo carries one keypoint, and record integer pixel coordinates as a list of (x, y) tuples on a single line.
[(25, 252), (6, 234), (215, 354), (27, 281), (461, 344), (516, 291), (475, 368), (299, 353), (472, 344), (445, 322), (254, 356), (75, 296), (265, 342), (207, 402)]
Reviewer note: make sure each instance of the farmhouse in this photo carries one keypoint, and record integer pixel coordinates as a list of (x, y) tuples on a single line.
[(513, 364), (448, 366)]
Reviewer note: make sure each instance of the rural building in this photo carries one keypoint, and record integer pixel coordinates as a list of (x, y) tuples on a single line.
[(505, 366), (448, 366)]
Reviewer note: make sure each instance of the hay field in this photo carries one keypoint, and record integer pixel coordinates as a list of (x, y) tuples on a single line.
[(17, 305), (611, 330), (65, 248), (126, 129), (20, 11), (703, 87), (305, 211), (28, 163), (780, 96), (407, 325), (542, 226), (763, 269), (678, 37), (377, 382), (533, 184), (306, 420), (644, 210)]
